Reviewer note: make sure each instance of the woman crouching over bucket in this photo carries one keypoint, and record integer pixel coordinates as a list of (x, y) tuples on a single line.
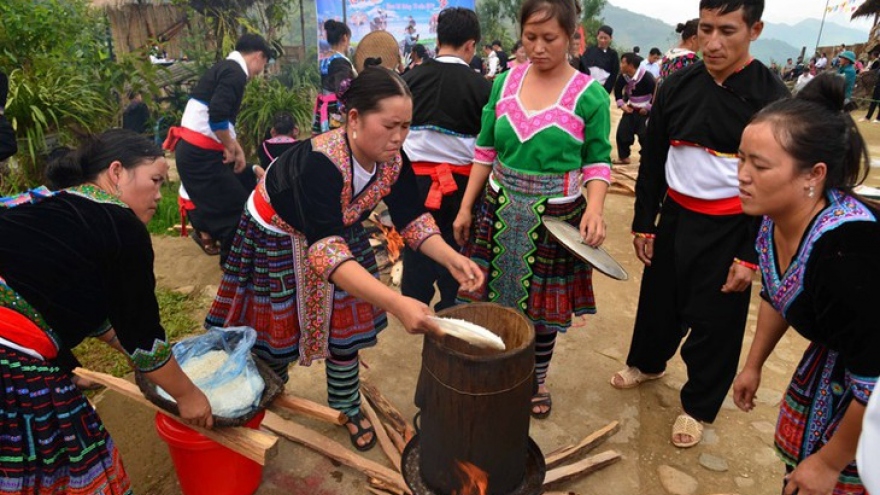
[(302, 272), (74, 263), (818, 250)]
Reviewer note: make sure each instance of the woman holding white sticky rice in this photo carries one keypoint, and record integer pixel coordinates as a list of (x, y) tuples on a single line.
[(302, 272)]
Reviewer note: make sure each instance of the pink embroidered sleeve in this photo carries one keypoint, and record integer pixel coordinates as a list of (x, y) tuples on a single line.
[(419, 230), (485, 156), (326, 255), (597, 171)]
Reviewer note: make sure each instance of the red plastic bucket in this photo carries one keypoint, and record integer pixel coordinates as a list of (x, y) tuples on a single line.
[(198, 459)]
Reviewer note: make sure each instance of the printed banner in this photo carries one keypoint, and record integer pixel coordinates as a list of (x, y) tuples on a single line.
[(409, 22)]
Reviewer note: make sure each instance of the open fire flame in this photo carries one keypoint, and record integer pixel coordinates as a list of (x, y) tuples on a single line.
[(474, 481), (394, 241)]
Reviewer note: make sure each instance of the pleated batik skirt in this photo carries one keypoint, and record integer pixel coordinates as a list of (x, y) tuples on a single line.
[(524, 266), (51, 440), (259, 290)]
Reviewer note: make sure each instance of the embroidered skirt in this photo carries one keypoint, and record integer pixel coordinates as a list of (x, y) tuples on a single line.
[(51, 440), (259, 290), (524, 267), (814, 404)]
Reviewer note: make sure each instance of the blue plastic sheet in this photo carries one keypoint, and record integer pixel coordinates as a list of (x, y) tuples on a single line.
[(237, 342)]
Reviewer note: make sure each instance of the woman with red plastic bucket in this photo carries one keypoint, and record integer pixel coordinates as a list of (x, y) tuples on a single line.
[(74, 263)]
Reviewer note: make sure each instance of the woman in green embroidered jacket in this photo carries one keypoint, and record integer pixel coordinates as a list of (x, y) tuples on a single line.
[(75, 263)]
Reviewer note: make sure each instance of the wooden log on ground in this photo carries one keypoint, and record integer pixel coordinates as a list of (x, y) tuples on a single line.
[(308, 408), (581, 468), (253, 444), (395, 437), (375, 491), (327, 447), (589, 443), (383, 487), (385, 442), (387, 409)]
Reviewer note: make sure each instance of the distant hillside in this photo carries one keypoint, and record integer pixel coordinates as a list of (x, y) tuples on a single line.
[(632, 29), (805, 33)]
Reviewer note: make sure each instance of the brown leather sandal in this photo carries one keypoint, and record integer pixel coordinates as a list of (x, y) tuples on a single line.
[(208, 245)]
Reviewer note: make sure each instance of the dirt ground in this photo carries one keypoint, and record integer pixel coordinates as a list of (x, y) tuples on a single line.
[(736, 455)]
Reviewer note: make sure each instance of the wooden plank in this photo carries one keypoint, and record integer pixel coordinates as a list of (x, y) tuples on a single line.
[(387, 409), (308, 408), (385, 442), (253, 444), (327, 447), (581, 468), (589, 443)]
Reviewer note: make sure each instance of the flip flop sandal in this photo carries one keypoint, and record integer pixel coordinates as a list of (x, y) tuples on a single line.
[(538, 400), (209, 246), (361, 432), (687, 425), (632, 377)]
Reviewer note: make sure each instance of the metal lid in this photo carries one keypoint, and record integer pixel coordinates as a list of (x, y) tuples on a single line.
[(570, 238)]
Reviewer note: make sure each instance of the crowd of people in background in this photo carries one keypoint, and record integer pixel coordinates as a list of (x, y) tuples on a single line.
[(471, 147)]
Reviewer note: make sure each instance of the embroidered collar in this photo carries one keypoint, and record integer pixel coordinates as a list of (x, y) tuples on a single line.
[(96, 194), (783, 288)]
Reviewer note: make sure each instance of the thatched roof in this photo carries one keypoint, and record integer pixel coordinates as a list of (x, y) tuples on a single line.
[(868, 9)]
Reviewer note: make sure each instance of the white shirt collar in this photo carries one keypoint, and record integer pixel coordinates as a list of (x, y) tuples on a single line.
[(240, 59), (451, 59)]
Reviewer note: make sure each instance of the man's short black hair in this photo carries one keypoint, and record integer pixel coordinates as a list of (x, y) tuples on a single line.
[(496, 43), (284, 124), (752, 9), (655, 51), (420, 50), (607, 30), (632, 59), (456, 26), (250, 43)]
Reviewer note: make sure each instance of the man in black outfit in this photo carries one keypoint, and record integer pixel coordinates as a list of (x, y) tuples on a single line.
[(448, 100), (136, 114), (600, 61), (502, 56)]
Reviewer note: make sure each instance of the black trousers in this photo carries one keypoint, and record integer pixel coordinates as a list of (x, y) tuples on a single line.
[(630, 126), (875, 101), (420, 272), (681, 291), (218, 193)]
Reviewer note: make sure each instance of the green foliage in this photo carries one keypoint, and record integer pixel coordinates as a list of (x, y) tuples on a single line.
[(499, 20), (263, 98), (176, 311), (167, 214), (591, 18), (64, 83)]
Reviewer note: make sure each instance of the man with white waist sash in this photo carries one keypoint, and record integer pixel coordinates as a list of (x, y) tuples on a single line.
[(210, 160), (700, 258), (448, 100), (600, 61), (634, 92)]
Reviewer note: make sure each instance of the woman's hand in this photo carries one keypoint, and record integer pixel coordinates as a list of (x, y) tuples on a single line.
[(195, 409), (414, 316), (592, 229), (745, 386), (813, 476), (461, 227), (466, 272)]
